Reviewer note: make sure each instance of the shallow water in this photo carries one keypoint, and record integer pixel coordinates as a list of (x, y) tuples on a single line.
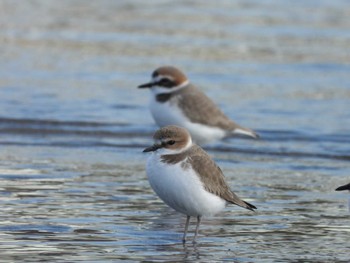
[(73, 127)]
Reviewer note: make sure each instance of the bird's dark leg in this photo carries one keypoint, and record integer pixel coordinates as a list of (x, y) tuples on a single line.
[(197, 228), (186, 227)]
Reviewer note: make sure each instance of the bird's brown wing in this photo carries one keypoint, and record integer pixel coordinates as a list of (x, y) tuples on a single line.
[(212, 177), (200, 109)]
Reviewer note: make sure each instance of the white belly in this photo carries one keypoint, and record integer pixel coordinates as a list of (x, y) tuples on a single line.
[(181, 189), (169, 114)]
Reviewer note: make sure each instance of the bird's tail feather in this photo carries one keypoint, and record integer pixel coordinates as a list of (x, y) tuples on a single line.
[(246, 132), (250, 206)]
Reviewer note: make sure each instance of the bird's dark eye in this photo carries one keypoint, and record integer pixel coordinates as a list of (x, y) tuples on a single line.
[(171, 142), (166, 83)]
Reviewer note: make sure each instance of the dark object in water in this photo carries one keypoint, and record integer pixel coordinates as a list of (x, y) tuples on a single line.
[(343, 187)]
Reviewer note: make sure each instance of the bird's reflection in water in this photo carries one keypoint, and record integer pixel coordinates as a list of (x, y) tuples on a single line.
[(191, 250)]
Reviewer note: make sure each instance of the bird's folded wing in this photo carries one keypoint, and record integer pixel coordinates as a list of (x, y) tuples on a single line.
[(212, 177), (200, 109)]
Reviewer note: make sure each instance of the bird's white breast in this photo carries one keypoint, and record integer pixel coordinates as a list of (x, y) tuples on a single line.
[(169, 113), (181, 188), (166, 113)]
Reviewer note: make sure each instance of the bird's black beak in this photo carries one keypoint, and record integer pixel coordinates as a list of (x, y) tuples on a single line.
[(343, 187), (152, 148), (146, 85)]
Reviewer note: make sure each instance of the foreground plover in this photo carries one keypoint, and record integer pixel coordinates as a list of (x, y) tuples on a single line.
[(185, 177), (175, 101)]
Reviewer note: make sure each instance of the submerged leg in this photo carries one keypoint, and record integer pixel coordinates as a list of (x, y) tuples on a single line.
[(197, 228), (186, 227)]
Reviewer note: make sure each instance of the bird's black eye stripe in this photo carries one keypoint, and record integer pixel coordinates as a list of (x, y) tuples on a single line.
[(164, 80), (166, 83), (172, 142)]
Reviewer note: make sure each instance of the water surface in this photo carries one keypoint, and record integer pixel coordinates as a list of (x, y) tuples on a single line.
[(73, 126)]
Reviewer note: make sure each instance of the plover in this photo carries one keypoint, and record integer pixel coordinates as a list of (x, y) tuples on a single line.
[(185, 177), (175, 101)]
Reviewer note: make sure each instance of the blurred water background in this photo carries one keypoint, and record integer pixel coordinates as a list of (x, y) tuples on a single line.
[(73, 126)]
